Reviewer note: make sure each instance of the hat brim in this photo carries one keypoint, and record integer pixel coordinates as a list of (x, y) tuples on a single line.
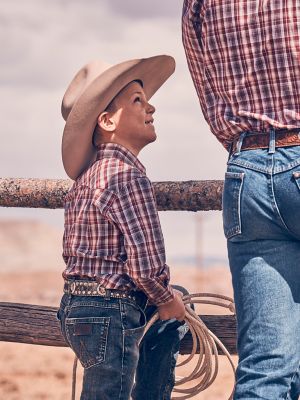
[(77, 149)]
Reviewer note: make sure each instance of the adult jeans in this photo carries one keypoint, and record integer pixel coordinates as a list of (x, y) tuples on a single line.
[(261, 215), (105, 334)]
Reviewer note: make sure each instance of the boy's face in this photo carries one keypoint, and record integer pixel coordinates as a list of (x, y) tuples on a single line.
[(133, 117)]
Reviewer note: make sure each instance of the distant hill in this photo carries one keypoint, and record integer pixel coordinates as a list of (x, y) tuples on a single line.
[(29, 245)]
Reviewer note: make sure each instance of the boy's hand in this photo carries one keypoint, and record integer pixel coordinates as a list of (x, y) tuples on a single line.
[(174, 309)]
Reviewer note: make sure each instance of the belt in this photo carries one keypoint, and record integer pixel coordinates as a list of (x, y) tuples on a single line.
[(261, 140), (83, 287)]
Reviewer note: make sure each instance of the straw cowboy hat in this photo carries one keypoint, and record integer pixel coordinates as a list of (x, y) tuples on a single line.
[(90, 92)]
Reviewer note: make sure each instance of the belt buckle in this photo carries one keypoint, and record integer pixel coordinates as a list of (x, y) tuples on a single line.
[(72, 287), (101, 290)]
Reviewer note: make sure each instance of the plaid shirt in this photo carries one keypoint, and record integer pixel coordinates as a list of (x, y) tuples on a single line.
[(112, 229), (244, 58)]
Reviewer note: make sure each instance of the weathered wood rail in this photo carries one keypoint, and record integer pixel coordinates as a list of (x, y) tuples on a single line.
[(49, 193), (33, 324)]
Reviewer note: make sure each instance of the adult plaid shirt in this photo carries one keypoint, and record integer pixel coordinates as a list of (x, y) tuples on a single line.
[(244, 58), (112, 229)]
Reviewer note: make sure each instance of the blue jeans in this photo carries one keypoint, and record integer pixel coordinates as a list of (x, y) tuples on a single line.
[(105, 333), (261, 214)]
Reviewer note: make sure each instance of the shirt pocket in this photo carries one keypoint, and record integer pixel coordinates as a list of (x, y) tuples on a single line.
[(88, 338), (232, 204)]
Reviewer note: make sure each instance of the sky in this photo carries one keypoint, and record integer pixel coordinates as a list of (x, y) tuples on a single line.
[(44, 43)]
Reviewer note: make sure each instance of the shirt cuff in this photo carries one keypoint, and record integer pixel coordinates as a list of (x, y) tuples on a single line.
[(157, 292)]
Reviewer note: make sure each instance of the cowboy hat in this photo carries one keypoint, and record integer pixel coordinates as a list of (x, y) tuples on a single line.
[(90, 92)]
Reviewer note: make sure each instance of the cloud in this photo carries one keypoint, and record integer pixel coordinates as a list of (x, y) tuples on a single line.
[(146, 9), (43, 41)]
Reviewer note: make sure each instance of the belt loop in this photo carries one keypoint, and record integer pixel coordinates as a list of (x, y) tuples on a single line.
[(107, 294), (230, 148), (272, 141), (240, 143)]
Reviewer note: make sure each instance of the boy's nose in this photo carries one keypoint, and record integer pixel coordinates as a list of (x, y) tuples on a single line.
[(151, 109)]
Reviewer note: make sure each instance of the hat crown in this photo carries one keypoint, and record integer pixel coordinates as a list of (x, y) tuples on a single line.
[(80, 82)]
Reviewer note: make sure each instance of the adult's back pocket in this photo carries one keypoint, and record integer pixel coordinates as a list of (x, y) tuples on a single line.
[(232, 203), (297, 178)]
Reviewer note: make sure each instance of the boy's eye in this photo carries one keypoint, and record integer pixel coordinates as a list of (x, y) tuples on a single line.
[(137, 99)]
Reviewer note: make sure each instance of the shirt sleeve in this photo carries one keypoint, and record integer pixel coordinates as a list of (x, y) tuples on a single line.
[(134, 211), (192, 20)]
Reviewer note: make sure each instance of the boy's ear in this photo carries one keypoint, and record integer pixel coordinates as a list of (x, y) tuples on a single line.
[(106, 121)]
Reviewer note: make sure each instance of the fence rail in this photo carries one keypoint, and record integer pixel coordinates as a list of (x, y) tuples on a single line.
[(49, 193), (34, 324)]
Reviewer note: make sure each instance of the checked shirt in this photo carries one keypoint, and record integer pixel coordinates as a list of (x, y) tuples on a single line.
[(244, 58), (112, 229)]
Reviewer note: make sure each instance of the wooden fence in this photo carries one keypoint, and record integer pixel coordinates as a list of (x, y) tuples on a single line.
[(25, 323)]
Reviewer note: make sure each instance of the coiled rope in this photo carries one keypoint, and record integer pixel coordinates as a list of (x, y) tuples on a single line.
[(207, 366)]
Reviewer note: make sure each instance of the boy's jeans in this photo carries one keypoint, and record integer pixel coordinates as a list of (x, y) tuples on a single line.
[(105, 335), (261, 213)]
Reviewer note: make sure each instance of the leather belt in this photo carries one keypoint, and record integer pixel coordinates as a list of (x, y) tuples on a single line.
[(260, 140), (93, 288)]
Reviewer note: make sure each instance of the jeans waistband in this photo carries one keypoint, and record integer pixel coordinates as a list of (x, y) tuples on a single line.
[(265, 140)]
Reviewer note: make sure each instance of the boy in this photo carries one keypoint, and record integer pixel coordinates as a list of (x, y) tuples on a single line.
[(113, 245)]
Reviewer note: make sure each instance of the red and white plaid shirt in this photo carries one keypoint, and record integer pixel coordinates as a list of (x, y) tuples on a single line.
[(112, 229), (244, 58)]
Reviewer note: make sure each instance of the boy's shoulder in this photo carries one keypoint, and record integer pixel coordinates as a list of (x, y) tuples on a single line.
[(111, 174)]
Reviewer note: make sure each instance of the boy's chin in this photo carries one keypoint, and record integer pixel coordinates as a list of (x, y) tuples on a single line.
[(149, 141), (153, 138)]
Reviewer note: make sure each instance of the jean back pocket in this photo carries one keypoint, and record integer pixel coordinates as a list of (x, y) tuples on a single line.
[(232, 203), (88, 338)]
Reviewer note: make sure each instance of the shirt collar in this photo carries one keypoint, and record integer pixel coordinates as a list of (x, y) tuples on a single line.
[(114, 150)]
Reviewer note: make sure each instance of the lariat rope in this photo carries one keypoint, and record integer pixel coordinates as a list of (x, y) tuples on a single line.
[(74, 377), (207, 367)]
